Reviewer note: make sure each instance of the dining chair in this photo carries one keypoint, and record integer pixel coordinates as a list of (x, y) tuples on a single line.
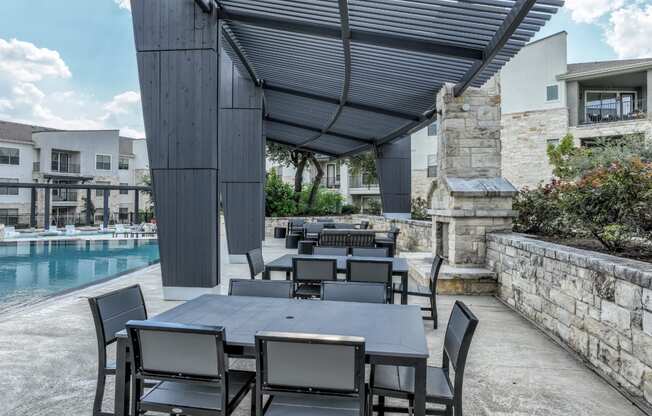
[(371, 271), (261, 288), (398, 382), (330, 251), (430, 293), (369, 252), (111, 312), (305, 374), (256, 262), (312, 230), (190, 367), (363, 292), (308, 273)]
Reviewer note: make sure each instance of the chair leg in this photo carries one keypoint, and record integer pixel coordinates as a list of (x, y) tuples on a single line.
[(136, 391), (381, 405), (433, 310), (99, 393), (252, 392)]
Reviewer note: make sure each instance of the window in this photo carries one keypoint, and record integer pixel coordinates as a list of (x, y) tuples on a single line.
[(103, 162), (123, 163), (432, 166), (8, 191), (9, 216), (432, 129), (123, 214), (124, 191), (100, 192), (552, 93), (9, 156)]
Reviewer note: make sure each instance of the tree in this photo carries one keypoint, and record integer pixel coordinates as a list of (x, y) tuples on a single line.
[(290, 157), (316, 182), (363, 164)]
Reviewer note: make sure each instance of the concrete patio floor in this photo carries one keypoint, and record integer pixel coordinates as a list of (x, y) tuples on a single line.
[(48, 357)]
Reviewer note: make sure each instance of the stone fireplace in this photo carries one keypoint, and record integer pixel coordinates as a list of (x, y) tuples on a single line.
[(472, 198)]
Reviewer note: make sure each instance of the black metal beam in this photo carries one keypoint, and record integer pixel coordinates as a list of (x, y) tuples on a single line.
[(428, 118), (317, 130), (289, 144), (205, 5), (31, 185), (242, 57), (513, 20), (357, 35), (336, 101)]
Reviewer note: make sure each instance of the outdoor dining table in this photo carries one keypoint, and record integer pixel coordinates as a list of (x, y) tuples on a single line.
[(394, 334), (400, 267)]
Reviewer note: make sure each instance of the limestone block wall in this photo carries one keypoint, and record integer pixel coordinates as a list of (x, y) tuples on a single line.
[(421, 183), (414, 236), (598, 305), (524, 140)]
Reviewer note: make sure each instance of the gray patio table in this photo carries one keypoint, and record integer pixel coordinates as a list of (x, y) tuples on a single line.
[(394, 334), (400, 267)]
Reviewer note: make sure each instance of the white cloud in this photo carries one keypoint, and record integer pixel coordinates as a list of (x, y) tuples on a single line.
[(133, 133), (35, 87), (588, 11), (123, 4), (630, 32)]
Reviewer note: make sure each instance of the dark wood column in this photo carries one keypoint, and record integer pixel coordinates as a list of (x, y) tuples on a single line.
[(394, 165), (136, 218), (177, 49), (242, 157)]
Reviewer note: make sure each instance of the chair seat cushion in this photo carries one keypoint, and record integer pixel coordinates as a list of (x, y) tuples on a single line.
[(401, 381), (308, 290), (313, 406), (197, 396)]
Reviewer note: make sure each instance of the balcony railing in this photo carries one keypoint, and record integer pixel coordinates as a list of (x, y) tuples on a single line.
[(64, 195), (363, 181), (607, 112), (69, 168), (333, 182), (36, 167)]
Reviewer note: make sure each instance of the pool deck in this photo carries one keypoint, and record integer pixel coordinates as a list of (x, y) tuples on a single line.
[(48, 357)]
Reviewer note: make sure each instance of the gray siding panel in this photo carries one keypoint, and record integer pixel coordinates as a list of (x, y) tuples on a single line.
[(242, 216), (394, 166), (240, 144)]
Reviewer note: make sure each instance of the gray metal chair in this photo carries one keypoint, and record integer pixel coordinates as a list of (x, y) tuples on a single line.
[(430, 293), (313, 230), (295, 226), (330, 251), (354, 292), (369, 252), (398, 382), (256, 262), (371, 271), (261, 288), (308, 273), (304, 374), (111, 312), (191, 368)]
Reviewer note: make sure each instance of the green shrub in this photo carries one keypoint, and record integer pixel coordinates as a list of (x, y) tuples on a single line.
[(539, 211), (350, 209), (374, 207), (420, 209), (279, 197), (326, 202)]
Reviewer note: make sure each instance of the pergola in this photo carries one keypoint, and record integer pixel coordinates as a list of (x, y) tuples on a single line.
[(337, 77)]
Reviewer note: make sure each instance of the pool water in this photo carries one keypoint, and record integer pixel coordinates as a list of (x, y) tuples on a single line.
[(32, 271)]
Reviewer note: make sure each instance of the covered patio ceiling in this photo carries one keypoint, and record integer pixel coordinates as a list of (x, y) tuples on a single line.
[(342, 76)]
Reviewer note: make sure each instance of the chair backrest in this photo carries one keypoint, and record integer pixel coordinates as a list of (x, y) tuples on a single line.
[(459, 332), (256, 262), (333, 238), (364, 225), (325, 220), (354, 292), (314, 227), (310, 364), (296, 224), (343, 226), (111, 312), (362, 238), (164, 350), (347, 238), (372, 271), (260, 288), (313, 270), (393, 233), (434, 272), (369, 252), (330, 251)]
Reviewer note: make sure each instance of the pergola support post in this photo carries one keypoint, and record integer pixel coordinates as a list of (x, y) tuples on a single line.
[(177, 51), (105, 208), (394, 164), (46, 208), (136, 218), (32, 208), (89, 214), (242, 155)]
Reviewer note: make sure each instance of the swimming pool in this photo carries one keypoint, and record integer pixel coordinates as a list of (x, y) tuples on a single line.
[(31, 271)]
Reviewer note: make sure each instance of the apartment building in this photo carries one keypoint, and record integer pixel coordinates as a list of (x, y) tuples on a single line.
[(544, 98), (37, 154)]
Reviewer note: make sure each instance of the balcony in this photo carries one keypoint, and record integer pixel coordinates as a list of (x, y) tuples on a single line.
[(64, 195), (73, 168), (363, 184), (612, 109)]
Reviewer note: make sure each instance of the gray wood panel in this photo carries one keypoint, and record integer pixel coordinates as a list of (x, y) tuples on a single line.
[(240, 145), (394, 166), (242, 216), (172, 25), (186, 211)]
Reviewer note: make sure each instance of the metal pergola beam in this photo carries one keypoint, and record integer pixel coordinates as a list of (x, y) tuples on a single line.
[(290, 144), (31, 185), (242, 57), (336, 101), (357, 35), (511, 23), (316, 130)]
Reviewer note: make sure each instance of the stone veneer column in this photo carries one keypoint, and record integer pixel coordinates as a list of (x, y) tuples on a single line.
[(648, 94), (177, 49), (242, 159), (472, 198)]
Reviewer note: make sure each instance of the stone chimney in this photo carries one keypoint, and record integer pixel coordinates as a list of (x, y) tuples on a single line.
[(472, 198)]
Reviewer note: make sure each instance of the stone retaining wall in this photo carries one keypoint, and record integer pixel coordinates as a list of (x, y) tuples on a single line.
[(598, 305), (414, 236)]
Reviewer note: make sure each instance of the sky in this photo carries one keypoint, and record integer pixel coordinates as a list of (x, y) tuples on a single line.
[(71, 64)]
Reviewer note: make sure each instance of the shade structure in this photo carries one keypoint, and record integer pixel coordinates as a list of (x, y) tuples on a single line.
[(344, 76)]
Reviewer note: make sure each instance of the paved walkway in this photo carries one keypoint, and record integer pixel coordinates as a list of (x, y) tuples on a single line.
[(48, 358)]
